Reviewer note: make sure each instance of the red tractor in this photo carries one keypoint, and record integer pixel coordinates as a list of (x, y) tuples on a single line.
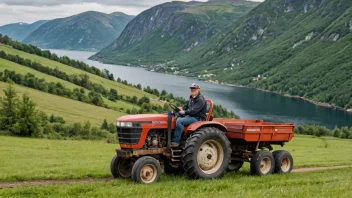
[(208, 148)]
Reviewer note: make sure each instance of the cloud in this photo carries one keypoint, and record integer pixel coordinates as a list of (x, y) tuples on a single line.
[(13, 11)]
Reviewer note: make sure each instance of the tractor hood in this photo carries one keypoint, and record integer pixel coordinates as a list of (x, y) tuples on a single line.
[(143, 118)]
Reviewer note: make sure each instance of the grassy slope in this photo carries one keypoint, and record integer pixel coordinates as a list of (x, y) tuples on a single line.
[(71, 110), (53, 159), (5, 64), (121, 88), (329, 183)]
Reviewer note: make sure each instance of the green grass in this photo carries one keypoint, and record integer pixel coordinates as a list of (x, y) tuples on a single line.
[(329, 183), (28, 159), (70, 110), (121, 88), (25, 158)]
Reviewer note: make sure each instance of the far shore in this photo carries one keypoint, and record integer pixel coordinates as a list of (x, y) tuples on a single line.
[(259, 89)]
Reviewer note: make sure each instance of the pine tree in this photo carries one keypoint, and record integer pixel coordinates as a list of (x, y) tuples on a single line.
[(28, 117), (104, 125), (8, 108)]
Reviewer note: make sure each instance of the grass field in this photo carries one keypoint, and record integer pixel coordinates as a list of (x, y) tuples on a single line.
[(27, 159), (70, 110), (330, 183), (121, 88)]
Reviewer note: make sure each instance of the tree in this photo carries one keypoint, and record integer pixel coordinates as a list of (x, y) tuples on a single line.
[(113, 95), (163, 92), (28, 117), (134, 100), (8, 108), (111, 128), (104, 125), (144, 99), (337, 132)]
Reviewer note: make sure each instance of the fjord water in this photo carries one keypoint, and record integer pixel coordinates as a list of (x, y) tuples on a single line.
[(247, 103)]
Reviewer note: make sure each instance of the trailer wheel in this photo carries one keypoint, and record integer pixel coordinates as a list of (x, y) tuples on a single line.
[(146, 170), (262, 163), (283, 162), (121, 167), (207, 154), (235, 166)]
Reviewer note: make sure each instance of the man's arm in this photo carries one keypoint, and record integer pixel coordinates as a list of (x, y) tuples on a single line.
[(198, 106), (185, 107)]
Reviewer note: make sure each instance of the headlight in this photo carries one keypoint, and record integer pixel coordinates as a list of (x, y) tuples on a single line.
[(118, 123), (125, 124), (128, 124)]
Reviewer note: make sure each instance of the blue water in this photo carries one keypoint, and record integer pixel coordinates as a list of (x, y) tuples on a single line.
[(247, 103)]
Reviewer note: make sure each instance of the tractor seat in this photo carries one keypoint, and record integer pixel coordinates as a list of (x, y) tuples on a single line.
[(209, 110)]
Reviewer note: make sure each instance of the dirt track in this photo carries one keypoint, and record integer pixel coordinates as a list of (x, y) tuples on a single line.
[(89, 180)]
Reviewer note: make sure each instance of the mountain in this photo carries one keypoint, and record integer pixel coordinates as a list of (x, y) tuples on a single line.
[(169, 30), (19, 31), (86, 31), (296, 47)]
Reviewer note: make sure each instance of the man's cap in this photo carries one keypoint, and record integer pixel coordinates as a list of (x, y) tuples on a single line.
[(194, 86)]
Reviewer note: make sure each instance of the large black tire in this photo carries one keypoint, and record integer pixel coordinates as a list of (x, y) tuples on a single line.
[(121, 167), (235, 166), (207, 154), (283, 162), (146, 170), (169, 169), (262, 163)]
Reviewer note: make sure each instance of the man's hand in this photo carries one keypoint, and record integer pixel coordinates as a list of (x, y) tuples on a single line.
[(181, 108), (182, 112)]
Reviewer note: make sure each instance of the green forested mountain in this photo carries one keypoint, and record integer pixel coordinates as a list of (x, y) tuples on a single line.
[(19, 31), (170, 30), (86, 31), (297, 47)]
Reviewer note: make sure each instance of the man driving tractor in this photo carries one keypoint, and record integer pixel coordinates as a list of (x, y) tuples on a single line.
[(195, 110)]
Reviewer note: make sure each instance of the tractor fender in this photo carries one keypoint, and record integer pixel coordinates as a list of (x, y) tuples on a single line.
[(197, 125)]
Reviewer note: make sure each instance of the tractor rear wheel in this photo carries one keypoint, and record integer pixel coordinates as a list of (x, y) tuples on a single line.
[(207, 154), (262, 163), (121, 167), (146, 170), (283, 162), (235, 166)]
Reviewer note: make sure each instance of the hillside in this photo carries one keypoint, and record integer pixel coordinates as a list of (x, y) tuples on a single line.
[(19, 31), (65, 101), (300, 48), (86, 31), (169, 30)]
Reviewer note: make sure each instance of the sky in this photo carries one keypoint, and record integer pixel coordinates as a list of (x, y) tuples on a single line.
[(29, 11)]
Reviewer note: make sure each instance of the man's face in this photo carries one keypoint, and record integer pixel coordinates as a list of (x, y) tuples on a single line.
[(194, 92)]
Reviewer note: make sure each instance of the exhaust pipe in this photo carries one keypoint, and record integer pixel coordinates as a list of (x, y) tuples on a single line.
[(169, 122)]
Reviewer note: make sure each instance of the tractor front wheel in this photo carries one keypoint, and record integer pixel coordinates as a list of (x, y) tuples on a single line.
[(146, 170), (207, 154), (121, 167)]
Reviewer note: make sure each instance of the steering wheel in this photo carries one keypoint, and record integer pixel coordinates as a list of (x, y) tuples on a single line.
[(174, 107)]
